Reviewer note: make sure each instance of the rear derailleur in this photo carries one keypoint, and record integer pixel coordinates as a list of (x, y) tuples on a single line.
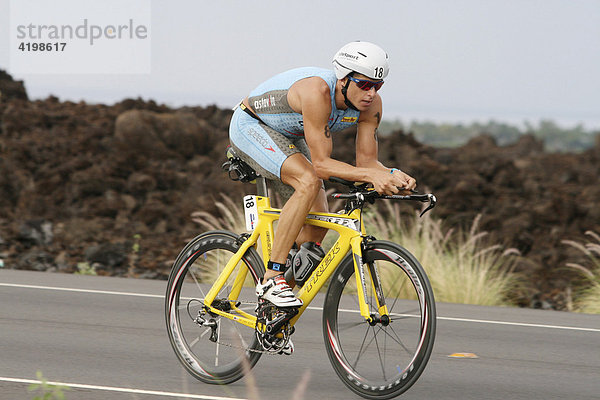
[(208, 323), (211, 322)]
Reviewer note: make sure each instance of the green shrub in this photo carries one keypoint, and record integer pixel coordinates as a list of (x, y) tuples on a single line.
[(48, 391), (84, 268)]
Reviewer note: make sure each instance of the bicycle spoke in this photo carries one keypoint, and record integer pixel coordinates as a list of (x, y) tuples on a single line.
[(196, 281), (379, 353), (349, 325), (396, 339), (374, 339), (218, 346), (193, 342), (205, 332), (240, 336), (399, 290), (360, 351), (401, 317), (413, 313)]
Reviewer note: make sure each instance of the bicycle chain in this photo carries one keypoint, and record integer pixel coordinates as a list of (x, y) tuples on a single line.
[(255, 303), (247, 349)]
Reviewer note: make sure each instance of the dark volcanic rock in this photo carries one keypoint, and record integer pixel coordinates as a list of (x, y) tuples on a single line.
[(35, 260), (107, 254), (36, 232), (11, 89)]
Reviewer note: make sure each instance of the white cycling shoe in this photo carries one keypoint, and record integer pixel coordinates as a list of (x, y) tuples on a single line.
[(277, 291)]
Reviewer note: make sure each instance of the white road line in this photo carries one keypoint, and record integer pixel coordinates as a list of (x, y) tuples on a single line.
[(483, 321), (82, 290), (123, 390), (479, 321)]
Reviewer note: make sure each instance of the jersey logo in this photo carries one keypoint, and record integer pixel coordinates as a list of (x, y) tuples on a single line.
[(264, 102), (349, 119)]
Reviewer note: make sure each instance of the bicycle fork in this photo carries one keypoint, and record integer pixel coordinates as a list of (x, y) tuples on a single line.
[(382, 315)]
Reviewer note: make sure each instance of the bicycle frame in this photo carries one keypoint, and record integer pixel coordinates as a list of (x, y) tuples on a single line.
[(351, 232)]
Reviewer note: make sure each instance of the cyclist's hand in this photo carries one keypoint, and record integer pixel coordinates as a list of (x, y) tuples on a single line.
[(389, 184), (408, 183)]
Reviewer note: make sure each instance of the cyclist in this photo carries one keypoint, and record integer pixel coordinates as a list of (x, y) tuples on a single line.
[(283, 130)]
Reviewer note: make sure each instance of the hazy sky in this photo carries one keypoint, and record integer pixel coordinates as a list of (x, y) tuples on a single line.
[(451, 60)]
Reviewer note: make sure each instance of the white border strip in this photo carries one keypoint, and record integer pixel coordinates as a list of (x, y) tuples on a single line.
[(479, 321), (122, 390)]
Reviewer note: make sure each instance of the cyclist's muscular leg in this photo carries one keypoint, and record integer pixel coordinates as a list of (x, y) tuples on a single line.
[(311, 233), (297, 172)]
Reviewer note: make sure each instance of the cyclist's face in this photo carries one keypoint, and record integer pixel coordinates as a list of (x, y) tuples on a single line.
[(361, 99)]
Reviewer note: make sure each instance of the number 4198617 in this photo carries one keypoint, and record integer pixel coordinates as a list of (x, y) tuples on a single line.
[(34, 46)]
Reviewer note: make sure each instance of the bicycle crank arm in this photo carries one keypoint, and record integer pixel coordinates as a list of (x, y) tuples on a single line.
[(275, 325)]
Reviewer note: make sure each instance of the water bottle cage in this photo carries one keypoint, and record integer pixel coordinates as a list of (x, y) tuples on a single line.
[(302, 272), (304, 263)]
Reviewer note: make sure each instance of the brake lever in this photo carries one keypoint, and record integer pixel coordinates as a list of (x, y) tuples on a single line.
[(432, 202)]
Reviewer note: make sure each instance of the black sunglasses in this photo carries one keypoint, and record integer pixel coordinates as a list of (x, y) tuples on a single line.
[(365, 84)]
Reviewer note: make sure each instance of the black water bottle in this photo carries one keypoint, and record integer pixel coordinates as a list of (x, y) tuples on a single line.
[(304, 262)]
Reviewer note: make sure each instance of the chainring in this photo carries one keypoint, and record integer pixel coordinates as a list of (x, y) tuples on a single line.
[(268, 316)]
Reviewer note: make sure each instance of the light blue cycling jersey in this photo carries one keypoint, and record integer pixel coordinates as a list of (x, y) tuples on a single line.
[(269, 101), (265, 144)]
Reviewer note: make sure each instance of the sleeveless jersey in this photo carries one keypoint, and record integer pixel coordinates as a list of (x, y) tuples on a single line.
[(269, 101)]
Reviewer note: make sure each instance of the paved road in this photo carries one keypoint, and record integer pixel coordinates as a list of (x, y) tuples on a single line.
[(107, 340)]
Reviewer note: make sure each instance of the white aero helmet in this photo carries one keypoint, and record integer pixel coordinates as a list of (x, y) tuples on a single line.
[(362, 57)]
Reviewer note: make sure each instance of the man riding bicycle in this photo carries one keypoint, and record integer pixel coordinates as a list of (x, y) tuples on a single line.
[(283, 130)]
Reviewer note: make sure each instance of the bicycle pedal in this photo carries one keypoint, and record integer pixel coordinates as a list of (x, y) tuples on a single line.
[(275, 325)]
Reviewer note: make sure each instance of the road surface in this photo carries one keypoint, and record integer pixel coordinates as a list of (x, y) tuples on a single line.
[(106, 339)]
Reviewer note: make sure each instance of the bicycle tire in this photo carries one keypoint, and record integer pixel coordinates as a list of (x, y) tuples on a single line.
[(192, 275), (399, 352)]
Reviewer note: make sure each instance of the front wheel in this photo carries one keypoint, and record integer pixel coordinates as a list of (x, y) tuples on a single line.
[(380, 360)]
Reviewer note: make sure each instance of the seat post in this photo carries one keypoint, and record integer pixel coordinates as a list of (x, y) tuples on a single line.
[(261, 186)]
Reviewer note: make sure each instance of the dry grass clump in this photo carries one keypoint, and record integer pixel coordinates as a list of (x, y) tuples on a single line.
[(462, 266), (232, 216), (587, 299)]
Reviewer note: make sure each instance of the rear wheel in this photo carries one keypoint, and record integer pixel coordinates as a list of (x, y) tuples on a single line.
[(212, 348), (383, 359)]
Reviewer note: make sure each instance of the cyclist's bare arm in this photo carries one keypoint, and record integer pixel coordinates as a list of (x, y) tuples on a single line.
[(367, 145), (311, 97)]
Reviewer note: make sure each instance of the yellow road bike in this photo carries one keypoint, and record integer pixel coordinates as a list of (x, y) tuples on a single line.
[(379, 315)]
